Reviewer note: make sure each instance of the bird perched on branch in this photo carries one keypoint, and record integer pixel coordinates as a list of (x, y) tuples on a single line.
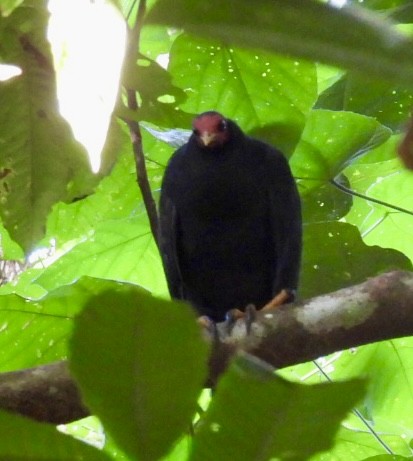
[(230, 221)]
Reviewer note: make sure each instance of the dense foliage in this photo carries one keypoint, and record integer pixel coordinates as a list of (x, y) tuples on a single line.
[(140, 360)]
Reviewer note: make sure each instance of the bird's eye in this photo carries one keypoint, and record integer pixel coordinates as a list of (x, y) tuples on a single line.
[(196, 132), (222, 125)]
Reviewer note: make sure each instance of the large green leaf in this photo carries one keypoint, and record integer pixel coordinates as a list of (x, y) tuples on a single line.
[(349, 37), (140, 363), (330, 141), (257, 415), (381, 176), (386, 407), (388, 103), (7, 6), (269, 95), (325, 203), (35, 332), (156, 40), (103, 235), (22, 439), (119, 250), (354, 443), (9, 248), (388, 365), (335, 256), (116, 198), (160, 99), (40, 161)]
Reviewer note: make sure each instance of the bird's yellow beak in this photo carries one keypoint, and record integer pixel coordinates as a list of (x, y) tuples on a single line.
[(207, 138)]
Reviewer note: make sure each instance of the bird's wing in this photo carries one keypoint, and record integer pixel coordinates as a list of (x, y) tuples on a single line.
[(285, 222), (168, 237)]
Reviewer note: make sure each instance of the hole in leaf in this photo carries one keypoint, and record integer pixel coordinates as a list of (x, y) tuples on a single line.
[(166, 98)]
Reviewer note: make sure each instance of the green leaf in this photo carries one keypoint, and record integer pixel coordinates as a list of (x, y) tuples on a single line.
[(330, 141), (388, 366), (156, 40), (104, 235), (403, 14), (389, 104), (274, 418), (40, 161), (35, 332), (356, 443), (159, 97), (107, 234), (350, 37), (140, 363), (335, 256), (9, 249), (326, 202), (270, 96), (22, 439), (7, 6), (119, 250), (387, 458), (381, 176)]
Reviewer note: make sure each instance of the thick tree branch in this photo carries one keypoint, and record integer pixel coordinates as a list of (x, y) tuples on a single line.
[(378, 309), (46, 393)]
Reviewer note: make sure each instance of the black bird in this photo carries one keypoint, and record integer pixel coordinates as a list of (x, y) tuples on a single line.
[(230, 221)]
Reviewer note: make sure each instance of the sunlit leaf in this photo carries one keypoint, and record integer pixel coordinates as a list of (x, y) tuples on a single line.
[(156, 360), (282, 419), (358, 444), (120, 250), (40, 161), (23, 439), (330, 141), (382, 177), (9, 249), (35, 332), (268, 95)]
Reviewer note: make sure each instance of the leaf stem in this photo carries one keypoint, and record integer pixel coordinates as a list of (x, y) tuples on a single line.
[(359, 415), (352, 192), (132, 53)]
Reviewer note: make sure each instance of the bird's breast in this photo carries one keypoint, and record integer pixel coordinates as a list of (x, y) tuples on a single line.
[(221, 190)]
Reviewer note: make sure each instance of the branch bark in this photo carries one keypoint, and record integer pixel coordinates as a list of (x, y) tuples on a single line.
[(380, 308), (131, 57)]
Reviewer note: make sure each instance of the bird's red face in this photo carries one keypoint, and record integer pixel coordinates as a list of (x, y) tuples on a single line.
[(211, 130)]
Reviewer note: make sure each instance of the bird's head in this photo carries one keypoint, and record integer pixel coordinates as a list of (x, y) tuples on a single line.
[(211, 130)]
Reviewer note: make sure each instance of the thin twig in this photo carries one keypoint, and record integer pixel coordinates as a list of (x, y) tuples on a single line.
[(134, 128), (352, 192)]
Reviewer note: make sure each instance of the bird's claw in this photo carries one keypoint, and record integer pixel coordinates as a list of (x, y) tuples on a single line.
[(230, 318), (210, 326), (250, 316), (235, 314)]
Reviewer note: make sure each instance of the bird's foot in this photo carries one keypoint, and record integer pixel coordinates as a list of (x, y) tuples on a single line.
[(235, 314), (209, 325), (283, 297), (249, 314)]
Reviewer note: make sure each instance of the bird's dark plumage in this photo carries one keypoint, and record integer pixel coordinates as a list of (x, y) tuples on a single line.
[(230, 221)]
